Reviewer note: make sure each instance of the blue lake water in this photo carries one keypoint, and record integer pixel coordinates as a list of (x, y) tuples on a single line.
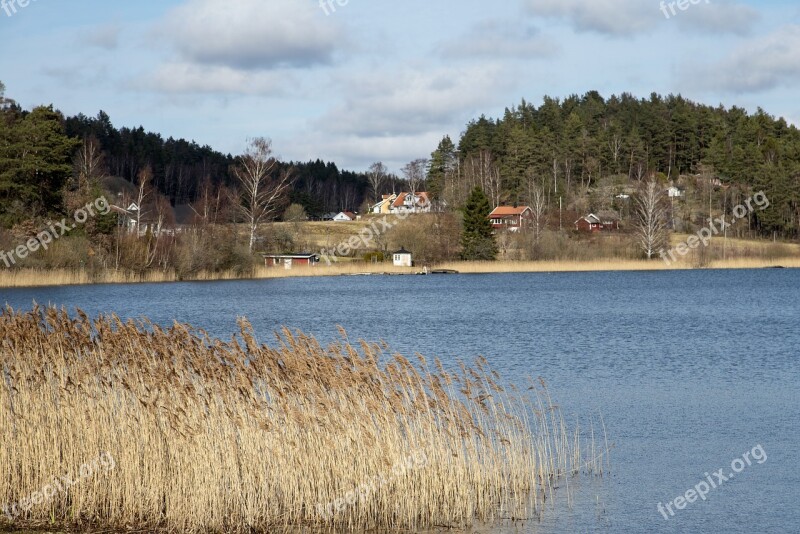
[(689, 370)]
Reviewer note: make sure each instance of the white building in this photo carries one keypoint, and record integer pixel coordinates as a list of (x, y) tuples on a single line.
[(674, 192), (345, 216), (402, 258), (408, 203)]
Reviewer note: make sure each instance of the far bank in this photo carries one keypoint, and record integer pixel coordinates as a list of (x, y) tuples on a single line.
[(63, 277)]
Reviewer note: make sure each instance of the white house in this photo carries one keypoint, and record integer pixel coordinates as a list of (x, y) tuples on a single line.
[(675, 192), (402, 258), (345, 216), (408, 203)]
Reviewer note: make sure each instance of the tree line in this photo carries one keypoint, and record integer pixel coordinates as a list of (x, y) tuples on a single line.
[(37, 162)]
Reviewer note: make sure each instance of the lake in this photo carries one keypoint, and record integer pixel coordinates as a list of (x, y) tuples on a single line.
[(690, 370)]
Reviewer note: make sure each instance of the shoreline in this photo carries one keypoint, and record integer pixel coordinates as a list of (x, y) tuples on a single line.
[(31, 278)]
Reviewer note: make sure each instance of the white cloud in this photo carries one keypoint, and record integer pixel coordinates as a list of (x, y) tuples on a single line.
[(718, 16), (406, 100), (632, 17), (613, 17), (760, 64), (252, 34), (187, 78), (358, 153), (499, 39)]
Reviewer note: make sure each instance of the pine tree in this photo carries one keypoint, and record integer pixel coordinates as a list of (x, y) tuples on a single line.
[(443, 163), (478, 237)]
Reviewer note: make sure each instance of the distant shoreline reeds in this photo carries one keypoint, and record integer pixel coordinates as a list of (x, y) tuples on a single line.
[(213, 436), (61, 277)]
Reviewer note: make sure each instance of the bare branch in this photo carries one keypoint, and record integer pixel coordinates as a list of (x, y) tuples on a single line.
[(652, 230), (260, 192)]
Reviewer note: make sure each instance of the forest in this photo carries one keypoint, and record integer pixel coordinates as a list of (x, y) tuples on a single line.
[(571, 147), (38, 150)]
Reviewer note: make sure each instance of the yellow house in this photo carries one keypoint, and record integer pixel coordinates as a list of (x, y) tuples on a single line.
[(384, 207)]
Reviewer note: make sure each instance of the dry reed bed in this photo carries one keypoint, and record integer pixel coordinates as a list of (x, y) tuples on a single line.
[(212, 436), (488, 267), (40, 278), (65, 277)]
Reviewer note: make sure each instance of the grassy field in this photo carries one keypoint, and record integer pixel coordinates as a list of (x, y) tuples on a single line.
[(314, 236), (184, 433)]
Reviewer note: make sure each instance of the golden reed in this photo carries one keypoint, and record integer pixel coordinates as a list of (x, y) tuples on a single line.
[(213, 436)]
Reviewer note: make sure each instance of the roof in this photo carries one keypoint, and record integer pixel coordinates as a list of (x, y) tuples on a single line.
[(386, 200), (121, 211), (608, 215), (301, 255), (402, 251), (508, 211), (401, 199), (591, 219)]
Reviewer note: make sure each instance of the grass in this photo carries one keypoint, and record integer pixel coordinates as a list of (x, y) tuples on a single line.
[(213, 436)]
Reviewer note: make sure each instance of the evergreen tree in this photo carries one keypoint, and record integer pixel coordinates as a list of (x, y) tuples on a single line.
[(35, 163), (478, 237), (442, 165)]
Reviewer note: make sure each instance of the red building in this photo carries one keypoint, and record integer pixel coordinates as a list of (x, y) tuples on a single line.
[(590, 223), (605, 221), (287, 261), (511, 217)]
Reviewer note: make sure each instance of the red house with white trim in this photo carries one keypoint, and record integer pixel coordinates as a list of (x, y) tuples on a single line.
[(511, 218)]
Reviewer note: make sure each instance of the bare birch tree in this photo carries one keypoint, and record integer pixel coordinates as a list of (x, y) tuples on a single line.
[(142, 194), (376, 176), (482, 171), (89, 163), (416, 173), (538, 205), (261, 192), (651, 227)]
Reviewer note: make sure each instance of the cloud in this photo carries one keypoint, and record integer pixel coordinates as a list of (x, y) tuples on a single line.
[(105, 37), (718, 16), (760, 64), (499, 39), (611, 17), (252, 34), (408, 101), (359, 152), (632, 17), (187, 78)]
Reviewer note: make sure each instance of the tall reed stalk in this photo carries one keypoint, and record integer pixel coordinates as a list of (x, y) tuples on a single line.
[(213, 436)]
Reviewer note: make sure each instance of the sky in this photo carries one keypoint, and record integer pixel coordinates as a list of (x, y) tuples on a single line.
[(359, 81)]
